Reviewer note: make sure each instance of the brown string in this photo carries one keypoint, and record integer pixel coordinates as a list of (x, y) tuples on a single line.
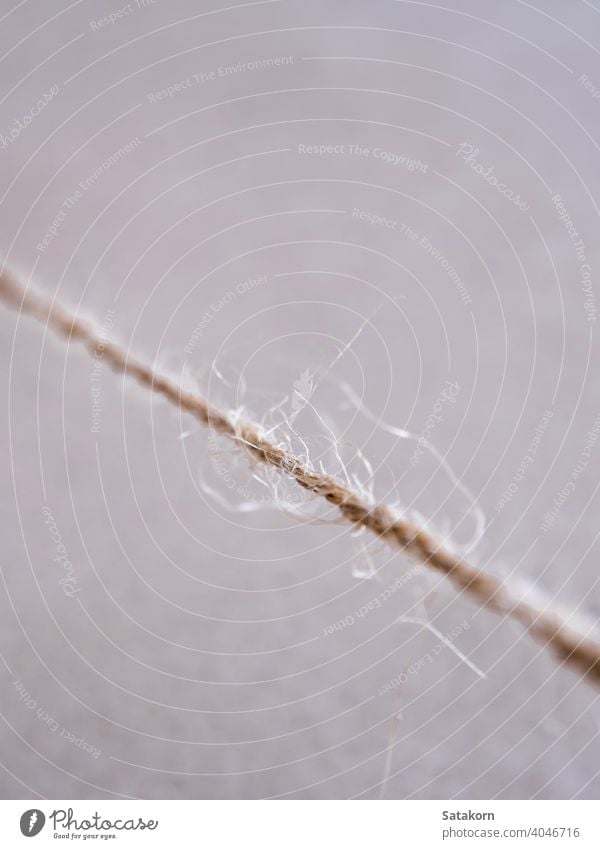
[(567, 642)]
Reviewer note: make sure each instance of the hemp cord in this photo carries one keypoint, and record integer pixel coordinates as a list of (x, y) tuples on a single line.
[(568, 643)]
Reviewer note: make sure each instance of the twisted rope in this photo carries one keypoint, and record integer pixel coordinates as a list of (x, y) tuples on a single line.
[(567, 642)]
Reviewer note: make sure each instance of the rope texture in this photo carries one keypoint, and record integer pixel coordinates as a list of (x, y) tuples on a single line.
[(568, 642)]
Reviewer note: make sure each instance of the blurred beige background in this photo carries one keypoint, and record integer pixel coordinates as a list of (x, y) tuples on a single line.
[(247, 185)]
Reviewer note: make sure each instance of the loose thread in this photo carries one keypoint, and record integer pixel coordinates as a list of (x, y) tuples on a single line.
[(546, 625)]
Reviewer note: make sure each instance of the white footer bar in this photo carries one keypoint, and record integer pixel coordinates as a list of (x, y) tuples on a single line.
[(301, 824)]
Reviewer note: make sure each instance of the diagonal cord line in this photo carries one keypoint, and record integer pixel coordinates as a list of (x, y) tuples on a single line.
[(569, 643)]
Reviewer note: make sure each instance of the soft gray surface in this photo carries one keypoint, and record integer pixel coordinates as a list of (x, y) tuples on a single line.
[(195, 654)]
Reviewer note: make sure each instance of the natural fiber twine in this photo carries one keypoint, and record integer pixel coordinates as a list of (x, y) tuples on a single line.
[(568, 642)]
